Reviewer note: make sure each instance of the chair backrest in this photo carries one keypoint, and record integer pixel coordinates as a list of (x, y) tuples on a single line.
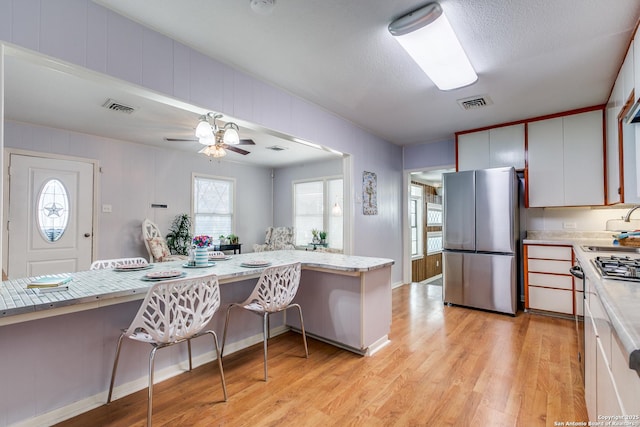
[(177, 309), (282, 238), (276, 287), (153, 241), (116, 262)]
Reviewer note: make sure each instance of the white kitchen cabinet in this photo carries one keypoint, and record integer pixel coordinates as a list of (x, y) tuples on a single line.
[(566, 160), (548, 284), (590, 369), (497, 147), (473, 151), (614, 177), (611, 388)]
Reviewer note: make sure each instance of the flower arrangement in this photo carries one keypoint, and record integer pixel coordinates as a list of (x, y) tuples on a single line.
[(202, 241)]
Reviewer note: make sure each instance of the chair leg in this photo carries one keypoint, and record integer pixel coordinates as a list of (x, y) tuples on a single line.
[(226, 323), (265, 323), (304, 336), (115, 367), (219, 356), (189, 349), (152, 356)]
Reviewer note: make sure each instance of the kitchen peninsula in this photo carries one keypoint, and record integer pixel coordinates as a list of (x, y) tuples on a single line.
[(59, 346)]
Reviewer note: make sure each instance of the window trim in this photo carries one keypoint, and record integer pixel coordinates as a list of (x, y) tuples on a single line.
[(419, 200), (233, 182)]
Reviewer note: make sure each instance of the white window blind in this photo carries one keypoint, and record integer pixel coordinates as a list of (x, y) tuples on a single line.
[(315, 208), (212, 206)]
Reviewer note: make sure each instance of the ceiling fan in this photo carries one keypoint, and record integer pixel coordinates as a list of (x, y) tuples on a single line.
[(217, 139)]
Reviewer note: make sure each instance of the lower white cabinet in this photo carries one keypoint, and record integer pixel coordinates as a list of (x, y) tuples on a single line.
[(610, 387), (548, 284)]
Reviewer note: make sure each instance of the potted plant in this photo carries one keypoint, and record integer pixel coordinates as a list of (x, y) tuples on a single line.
[(179, 237), (323, 236), (316, 235), (223, 239), (233, 239)]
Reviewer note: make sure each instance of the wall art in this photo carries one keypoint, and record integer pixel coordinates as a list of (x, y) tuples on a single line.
[(369, 193)]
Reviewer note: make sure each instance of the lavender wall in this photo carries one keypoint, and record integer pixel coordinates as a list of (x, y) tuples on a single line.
[(442, 153), (88, 35)]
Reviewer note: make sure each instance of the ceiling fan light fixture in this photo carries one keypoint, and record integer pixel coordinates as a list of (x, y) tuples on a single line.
[(230, 134), (214, 151), (207, 141), (428, 37), (263, 7), (204, 129)]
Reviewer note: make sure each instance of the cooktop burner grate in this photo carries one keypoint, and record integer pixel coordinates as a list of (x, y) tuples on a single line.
[(618, 267)]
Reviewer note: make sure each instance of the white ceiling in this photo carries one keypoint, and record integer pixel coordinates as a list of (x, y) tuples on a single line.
[(532, 57), (47, 93)]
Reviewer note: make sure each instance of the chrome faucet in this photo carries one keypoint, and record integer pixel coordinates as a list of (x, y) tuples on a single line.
[(627, 217)]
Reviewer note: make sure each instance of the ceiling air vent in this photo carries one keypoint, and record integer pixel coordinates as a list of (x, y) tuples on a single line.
[(112, 105), (475, 102), (276, 148)]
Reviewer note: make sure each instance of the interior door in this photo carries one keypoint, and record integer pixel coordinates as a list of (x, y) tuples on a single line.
[(50, 227)]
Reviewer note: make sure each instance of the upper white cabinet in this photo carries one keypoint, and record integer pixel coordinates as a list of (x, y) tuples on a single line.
[(497, 147), (566, 161), (623, 185)]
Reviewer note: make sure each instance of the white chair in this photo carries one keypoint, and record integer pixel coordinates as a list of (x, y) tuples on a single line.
[(172, 312), (102, 264), (156, 244), (276, 288)]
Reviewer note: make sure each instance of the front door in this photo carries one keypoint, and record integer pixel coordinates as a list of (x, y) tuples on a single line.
[(50, 216)]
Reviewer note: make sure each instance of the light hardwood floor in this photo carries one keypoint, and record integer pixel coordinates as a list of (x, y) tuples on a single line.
[(444, 366)]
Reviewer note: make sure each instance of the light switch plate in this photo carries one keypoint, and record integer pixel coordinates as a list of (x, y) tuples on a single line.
[(106, 209)]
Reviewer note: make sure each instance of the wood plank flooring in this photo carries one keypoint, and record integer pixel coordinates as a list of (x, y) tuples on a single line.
[(445, 366)]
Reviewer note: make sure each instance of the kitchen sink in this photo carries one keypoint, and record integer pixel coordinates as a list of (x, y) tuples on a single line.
[(627, 249)]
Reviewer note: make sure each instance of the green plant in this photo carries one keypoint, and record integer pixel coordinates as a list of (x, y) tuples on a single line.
[(315, 232), (323, 235), (179, 237), (233, 239)]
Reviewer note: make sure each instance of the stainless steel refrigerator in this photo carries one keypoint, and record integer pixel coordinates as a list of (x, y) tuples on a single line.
[(480, 239)]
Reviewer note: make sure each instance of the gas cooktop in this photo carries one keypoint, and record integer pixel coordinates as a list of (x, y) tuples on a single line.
[(618, 267)]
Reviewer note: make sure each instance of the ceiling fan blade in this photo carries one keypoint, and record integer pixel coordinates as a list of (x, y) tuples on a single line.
[(235, 149), (246, 142), (180, 139)]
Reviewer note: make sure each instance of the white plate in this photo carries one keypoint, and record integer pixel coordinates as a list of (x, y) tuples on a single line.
[(209, 264), (219, 258), (158, 279), (255, 264), (163, 274), (133, 267)]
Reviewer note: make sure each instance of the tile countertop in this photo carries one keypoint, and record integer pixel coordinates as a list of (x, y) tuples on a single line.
[(101, 286), (620, 299)]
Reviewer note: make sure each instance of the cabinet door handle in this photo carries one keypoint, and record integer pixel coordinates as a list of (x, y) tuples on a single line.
[(576, 271)]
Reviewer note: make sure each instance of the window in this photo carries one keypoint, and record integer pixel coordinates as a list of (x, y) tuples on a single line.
[(415, 220), (213, 200), (318, 205), (434, 237), (53, 210)]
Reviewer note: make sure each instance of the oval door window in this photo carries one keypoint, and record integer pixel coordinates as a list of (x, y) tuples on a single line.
[(53, 210)]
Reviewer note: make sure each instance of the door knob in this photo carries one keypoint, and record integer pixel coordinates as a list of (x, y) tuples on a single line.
[(87, 234)]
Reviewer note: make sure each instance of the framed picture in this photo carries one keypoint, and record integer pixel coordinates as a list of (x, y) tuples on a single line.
[(369, 193)]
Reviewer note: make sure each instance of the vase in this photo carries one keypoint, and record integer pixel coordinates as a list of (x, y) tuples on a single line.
[(201, 257)]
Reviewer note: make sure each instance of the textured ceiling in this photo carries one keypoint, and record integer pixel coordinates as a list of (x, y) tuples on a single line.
[(532, 57)]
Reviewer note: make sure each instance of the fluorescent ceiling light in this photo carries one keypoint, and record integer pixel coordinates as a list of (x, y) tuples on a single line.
[(428, 37)]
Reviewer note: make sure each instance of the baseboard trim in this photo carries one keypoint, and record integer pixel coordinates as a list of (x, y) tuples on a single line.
[(92, 402)]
